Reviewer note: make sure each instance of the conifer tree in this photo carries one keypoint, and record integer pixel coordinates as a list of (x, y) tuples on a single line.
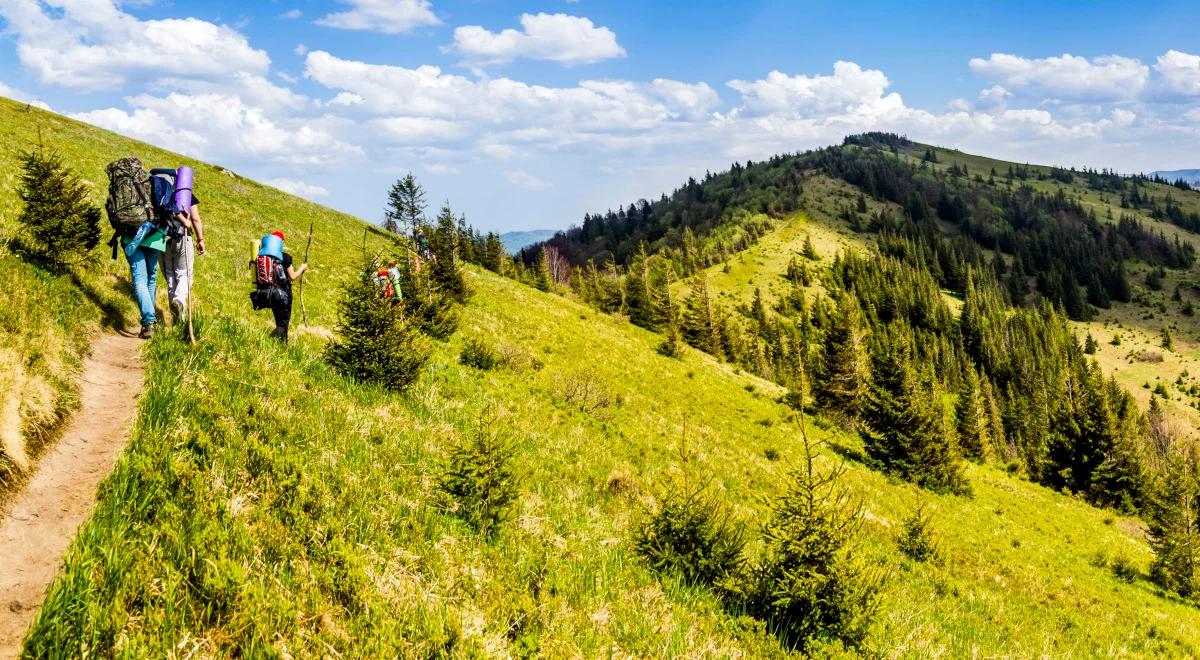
[(1168, 343), (375, 342), (493, 253), (446, 271), (995, 418), (672, 346), (1173, 524), (973, 419), (700, 325), (812, 583), (59, 225), (809, 251), (845, 371), (906, 432), (543, 280), (425, 304), (406, 206), (639, 301)]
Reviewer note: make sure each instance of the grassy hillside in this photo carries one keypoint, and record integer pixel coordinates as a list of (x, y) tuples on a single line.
[(268, 507), (303, 517), (46, 321)]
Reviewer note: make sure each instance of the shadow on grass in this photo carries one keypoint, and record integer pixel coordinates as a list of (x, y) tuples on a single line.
[(111, 315)]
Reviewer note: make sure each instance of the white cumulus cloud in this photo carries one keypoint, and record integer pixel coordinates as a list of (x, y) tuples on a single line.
[(1180, 72), (18, 95), (298, 188), (554, 37), (93, 45), (386, 16), (525, 180), (850, 86), (1070, 77), (592, 106), (217, 126)]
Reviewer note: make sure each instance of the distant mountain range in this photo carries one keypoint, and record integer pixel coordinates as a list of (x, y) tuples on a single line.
[(515, 240), (1191, 176)]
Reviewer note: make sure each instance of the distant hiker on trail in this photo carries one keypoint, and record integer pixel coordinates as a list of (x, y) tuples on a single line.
[(273, 275), (394, 276), (132, 216)]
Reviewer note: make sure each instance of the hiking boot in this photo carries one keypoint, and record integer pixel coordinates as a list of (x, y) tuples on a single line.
[(177, 309), (280, 334), (147, 331)]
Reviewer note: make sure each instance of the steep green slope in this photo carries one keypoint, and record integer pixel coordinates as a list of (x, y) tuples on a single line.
[(303, 516), (47, 320), (267, 507)]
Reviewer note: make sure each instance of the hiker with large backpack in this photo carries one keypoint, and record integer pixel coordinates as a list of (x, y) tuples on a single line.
[(273, 276), (135, 228), (172, 192)]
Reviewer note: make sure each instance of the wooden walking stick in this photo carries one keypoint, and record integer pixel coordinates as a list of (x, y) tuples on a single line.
[(191, 283), (304, 312)]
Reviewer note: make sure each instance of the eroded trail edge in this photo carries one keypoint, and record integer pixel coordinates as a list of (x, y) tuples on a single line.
[(38, 527)]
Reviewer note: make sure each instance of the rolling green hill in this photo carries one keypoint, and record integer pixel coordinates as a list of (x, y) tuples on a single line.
[(268, 507)]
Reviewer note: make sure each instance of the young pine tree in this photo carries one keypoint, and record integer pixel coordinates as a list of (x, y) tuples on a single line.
[(543, 280), (971, 413), (493, 253), (700, 323), (406, 206), (426, 306), (811, 583), (60, 227), (446, 270), (906, 431), (846, 372), (375, 342), (1174, 528), (810, 252), (669, 321), (639, 299)]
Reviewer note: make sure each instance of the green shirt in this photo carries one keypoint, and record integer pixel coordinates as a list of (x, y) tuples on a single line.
[(155, 240)]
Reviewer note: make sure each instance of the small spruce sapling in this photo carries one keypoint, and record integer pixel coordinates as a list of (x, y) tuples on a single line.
[(481, 478), (376, 342), (916, 538), (60, 226), (692, 534)]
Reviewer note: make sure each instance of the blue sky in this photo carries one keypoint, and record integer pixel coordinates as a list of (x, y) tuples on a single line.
[(528, 114)]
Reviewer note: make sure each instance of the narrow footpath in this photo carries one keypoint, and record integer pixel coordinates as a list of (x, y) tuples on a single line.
[(43, 517)]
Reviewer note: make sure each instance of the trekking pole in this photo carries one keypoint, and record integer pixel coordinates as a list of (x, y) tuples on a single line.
[(304, 312), (191, 283)]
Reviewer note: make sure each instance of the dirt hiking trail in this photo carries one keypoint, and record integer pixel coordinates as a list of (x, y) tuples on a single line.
[(41, 521)]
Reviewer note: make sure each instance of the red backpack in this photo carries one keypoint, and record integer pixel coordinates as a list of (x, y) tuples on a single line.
[(268, 271)]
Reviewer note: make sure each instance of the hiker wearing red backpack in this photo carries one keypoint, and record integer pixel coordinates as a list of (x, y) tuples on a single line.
[(273, 276)]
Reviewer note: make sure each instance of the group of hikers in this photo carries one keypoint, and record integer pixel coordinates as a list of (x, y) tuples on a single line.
[(156, 221)]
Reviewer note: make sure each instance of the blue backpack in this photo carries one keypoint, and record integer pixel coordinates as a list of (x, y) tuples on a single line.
[(162, 197)]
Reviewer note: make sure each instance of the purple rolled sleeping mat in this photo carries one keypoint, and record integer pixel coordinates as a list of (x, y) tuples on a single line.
[(183, 189)]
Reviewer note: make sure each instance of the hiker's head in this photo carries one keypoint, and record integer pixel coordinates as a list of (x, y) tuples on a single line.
[(392, 262), (279, 234)]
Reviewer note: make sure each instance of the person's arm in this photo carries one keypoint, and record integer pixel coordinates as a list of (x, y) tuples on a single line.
[(197, 227), (295, 273)]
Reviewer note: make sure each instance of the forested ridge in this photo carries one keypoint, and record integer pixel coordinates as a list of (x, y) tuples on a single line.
[(869, 338)]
